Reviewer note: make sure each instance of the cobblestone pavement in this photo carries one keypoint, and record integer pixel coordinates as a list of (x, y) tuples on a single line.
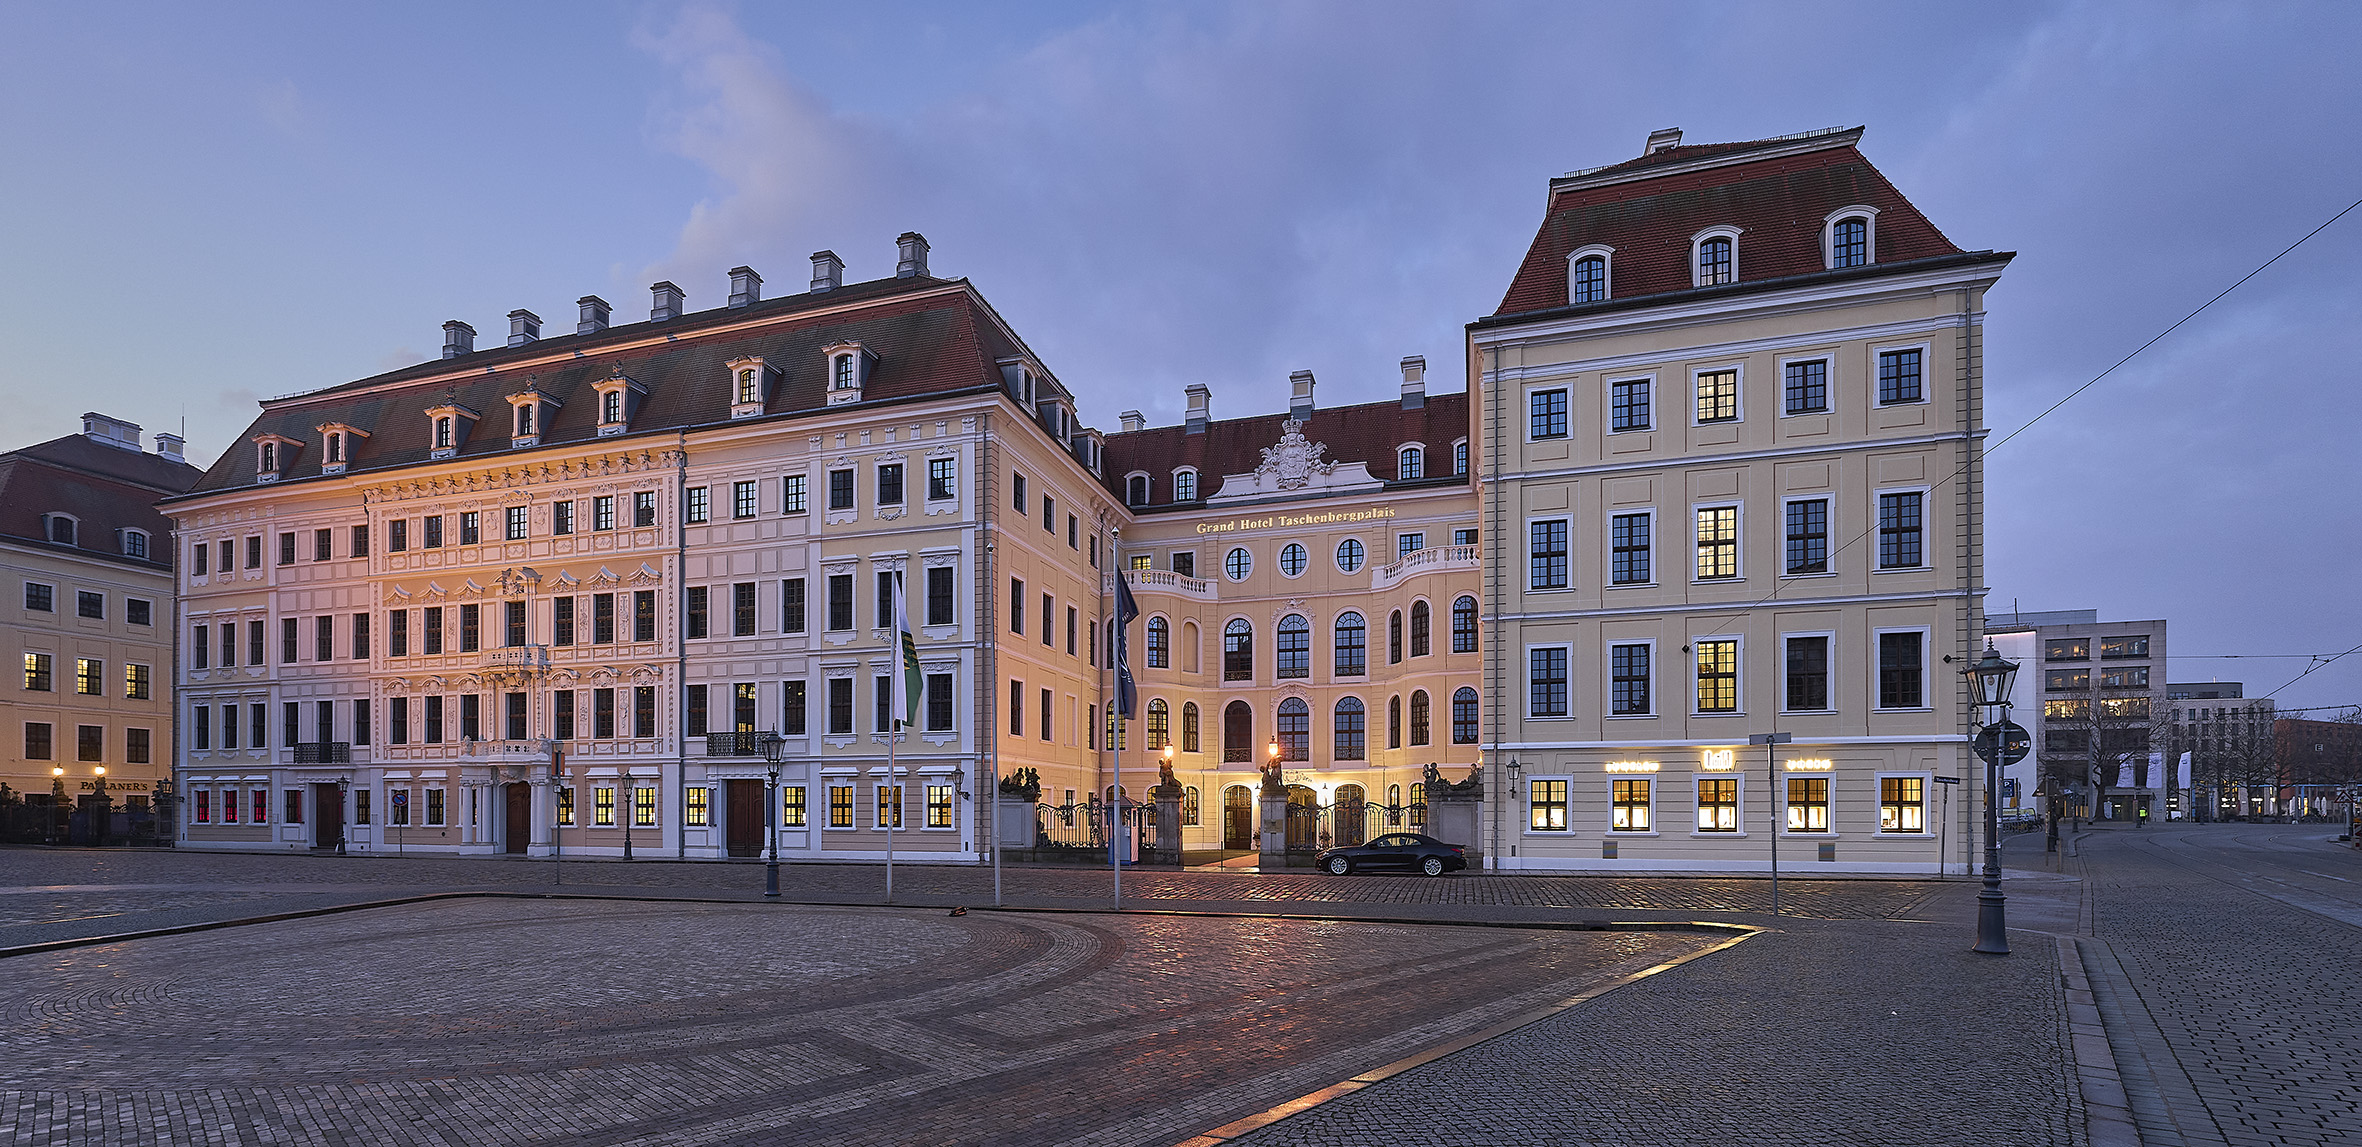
[(2236, 955), (603, 1022)]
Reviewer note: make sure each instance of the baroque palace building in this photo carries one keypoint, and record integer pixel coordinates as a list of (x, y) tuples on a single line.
[(1729, 429)]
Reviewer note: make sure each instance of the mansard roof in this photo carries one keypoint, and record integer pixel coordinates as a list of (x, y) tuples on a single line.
[(931, 337), (1777, 192), (104, 488), (1371, 432)]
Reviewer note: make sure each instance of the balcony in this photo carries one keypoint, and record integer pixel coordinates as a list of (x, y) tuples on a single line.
[(748, 744), (1166, 581), (323, 753), (516, 658), (1438, 560)]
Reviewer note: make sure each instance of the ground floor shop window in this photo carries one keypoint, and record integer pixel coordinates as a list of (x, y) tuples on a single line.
[(644, 807), (694, 813), (938, 806), (361, 806), (1718, 804), (1808, 804), (204, 806), (1629, 806), (602, 808), (1902, 804), (434, 808), (294, 814), (566, 806), (840, 806), (889, 806), (791, 806), (1547, 802)]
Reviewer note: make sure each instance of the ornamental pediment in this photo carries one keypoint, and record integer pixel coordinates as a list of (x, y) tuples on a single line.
[(1297, 467)]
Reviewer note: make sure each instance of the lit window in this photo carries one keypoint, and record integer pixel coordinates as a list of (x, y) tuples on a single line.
[(1629, 806), (1718, 396), (1808, 804), (1902, 804), (1718, 804), (1718, 676), (1718, 542), (1546, 805)]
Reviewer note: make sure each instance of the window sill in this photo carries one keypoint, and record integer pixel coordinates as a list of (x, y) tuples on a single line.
[(1717, 580), (1623, 834), (1909, 709), (1808, 712), (1549, 589), (1718, 836), (1795, 835), (1630, 717), (1904, 569), (1806, 576), (1632, 585), (1882, 834), (1823, 411), (1718, 713), (1921, 401)]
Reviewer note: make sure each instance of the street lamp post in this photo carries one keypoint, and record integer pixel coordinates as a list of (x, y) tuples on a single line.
[(102, 810), (631, 809), (57, 801), (774, 748), (344, 812), (1990, 679)]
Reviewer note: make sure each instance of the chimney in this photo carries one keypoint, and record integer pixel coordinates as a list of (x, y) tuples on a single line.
[(1201, 407), (113, 431), (1133, 420), (828, 272), (594, 315), (458, 339), (168, 447), (746, 287), (1300, 395), (911, 256), (1663, 138), (667, 302), (1414, 382), (523, 327)]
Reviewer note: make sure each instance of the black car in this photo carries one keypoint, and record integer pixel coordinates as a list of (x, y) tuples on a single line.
[(1397, 851)]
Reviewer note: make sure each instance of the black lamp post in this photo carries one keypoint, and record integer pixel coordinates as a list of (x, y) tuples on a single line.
[(774, 748), (102, 807), (58, 810), (1990, 679)]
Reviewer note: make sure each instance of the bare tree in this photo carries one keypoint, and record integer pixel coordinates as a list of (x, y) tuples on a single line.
[(2091, 735)]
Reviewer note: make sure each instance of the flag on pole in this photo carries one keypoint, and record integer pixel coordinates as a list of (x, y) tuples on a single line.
[(909, 684), (1125, 610)]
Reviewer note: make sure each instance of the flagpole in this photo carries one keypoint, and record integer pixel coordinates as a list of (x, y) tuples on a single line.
[(893, 734)]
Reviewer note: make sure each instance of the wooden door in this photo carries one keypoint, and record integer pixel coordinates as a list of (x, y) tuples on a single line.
[(1238, 818), (327, 816), (742, 804), (519, 826)]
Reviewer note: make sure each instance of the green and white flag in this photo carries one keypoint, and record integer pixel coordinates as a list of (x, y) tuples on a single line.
[(909, 685)]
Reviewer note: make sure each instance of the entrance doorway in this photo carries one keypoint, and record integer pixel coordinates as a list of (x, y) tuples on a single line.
[(327, 817), (1238, 818), (518, 829), (742, 806), (1303, 818)]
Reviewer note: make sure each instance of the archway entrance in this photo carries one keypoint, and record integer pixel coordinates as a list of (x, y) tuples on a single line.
[(518, 831)]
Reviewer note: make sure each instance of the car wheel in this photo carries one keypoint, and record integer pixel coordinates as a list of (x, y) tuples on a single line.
[(1432, 866), (1339, 866)]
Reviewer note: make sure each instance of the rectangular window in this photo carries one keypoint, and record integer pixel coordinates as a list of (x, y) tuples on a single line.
[(397, 535), (40, 598), (884, 719), (1410, 543), (840, 705), (1898, 376), (90, 742), (1017, 488), (742, 609), (433, 714), (254, 637), (2068, 649), (1628, 681), (562, 715), (791, 605), (471, 628), (229, 727), (397, 727), (603, 807), (890, 484), (1808, 536), (1628, 404), (603, 714), (840, 806), (253, 552), (2066, 680), (1804, 387), (431, 630), (693, 621), (561, 518), (939, 702), (1902, 804), (1046, 724), (644, 615), (1048, 612), (1016, 605), (289, 636), (361, 722), (2125, 677), (1049, 513), (1899, 671), (697, 711), (197, 555), (361, 635), (320, 545), (1546, 805), (643, 509), (701, 505), (644, 711), (1718, 804), (791, 494), (1899, 531), (840, 602), (513, 520), (603, 512), (1808, 804), (939, 599), (602, 619), (90, 677), (938, 806), (471, 528), (471, 717), (1546, 414), (791, 806), (90, 605), (200, 646), (1547, 554), (1808, 674), (1546, 682), (791, 708), (693, 811), (135, 682), (229, 647), (840, 489), (136, 746), (566, 806), (885, 599), (1628, 542), (1016, 708), (1629, 805), (1718, 396), (562, 620), (742, 499), (513, 714), (1718, 542), (941, 473), (433, 531), (287, 548), (1718, 676), (2124, 646)]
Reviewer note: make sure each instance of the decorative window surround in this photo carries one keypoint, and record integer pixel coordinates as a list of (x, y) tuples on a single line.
[(750, 386), (848, 365), (619, 400), (1869, 217), (447, 429), (530, 412), (337, 441), (273, 454)]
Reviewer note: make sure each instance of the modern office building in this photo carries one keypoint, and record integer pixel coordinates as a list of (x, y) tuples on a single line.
[(89, 565), (2229, 740), (1727, 442), (2093, 696)]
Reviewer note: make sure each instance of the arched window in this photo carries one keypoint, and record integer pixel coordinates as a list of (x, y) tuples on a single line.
[(1349, 740), (1189, 644), (1394, 806), (1238, 650), (1464, 625), (1464, 716), (1189, 726), (1849, 242), (1716, 260), (1394, 721), (1185, 485), (1460, 457), (1418, 629), (1136, 489), (1418, 804), (1419, 717), (1160, 725), (61, 529), (1353, 653), (1394, 638), (1294, 646), (1410, 462), (1160, 644), (1587, 280), (1295, 730)]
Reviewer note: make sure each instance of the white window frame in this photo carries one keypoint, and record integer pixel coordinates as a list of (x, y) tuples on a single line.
[(874, 470), (1656, 788), (1927, 805), (1740, 528), (1829, 223), (1607, 283), (1459, 451), (1421, 535), (1828, 399), (1250, 571), (1147, 489), (1530, 392), (1336, 559), (1697, 243), (1406, 447), (1827, 540), (1738, 395), (1831, 635), (1607, 402), (1279, 560), (1530, 523), (1607, 573), (1527, 675), (1689, 670), (1780, 800), (123, 536), (1607, 680), (1739, 806), (1194, 494), (1926, 374), (1926, 684), (1527, 798), (1923, 490)]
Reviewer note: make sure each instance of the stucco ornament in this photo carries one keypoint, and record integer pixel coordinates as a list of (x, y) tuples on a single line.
[(1294, 462)]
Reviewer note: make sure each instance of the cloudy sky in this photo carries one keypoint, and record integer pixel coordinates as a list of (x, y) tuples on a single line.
[(203, 205)]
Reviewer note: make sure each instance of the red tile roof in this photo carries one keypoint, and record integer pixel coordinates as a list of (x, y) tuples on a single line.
[(1779, 202), (104, 488), (1370, 432)]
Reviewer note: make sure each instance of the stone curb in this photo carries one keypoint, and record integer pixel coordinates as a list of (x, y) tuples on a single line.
[(2107, 1113)]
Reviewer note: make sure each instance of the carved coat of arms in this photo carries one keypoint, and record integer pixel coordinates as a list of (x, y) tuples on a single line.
[(1294, 462)]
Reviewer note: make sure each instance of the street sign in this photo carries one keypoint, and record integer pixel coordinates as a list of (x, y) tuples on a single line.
[(2009, 739), (401, 798)]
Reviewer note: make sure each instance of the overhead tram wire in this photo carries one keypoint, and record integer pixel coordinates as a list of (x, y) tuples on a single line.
[(2319, 663), (1987, 452)]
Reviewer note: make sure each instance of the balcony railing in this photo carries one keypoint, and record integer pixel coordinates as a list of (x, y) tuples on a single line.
[(1200, 589), (323, 753), (1418, 562), (733, 744), (517, 657)]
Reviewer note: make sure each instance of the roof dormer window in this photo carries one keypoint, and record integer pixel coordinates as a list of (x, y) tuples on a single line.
[(337, 441), (273, 453), (1714, 257), (1849, 237), (1185, 485), (134, 542), (1136, 489), (750, 386), (619, 399), (1587, 275), (58, 528), (530, 412), (849, 368), (448, 426)]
